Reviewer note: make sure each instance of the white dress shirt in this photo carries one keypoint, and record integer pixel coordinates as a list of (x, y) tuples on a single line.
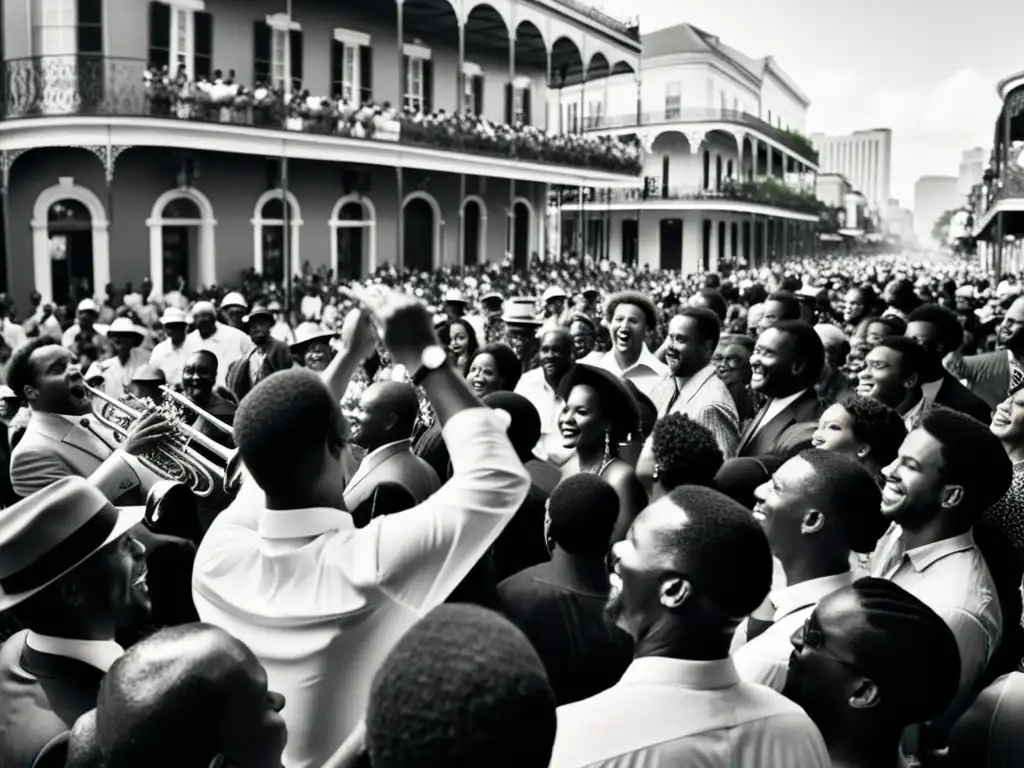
[(100, 654), (668, 712), (117, 375), (535, 388), (765, 659), (170, 359), (227, 344), (647, 371), (321, 603)]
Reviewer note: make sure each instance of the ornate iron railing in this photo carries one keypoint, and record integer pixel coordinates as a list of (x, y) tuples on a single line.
[(100, 86), (630, 27), (797, 143)]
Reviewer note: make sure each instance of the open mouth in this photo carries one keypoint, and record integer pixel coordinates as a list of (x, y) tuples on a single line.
[(570, 433), (141, 583), (614, 583), (623, 338), (477, 385), (759, 514), (891, 492)]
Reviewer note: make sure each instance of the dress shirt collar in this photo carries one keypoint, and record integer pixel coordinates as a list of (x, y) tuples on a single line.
[(928, 554), (688, 385), (100, 654), (930, 390), (779, 404), (697, 675), (646, 360), (807, 593), (303, 523)]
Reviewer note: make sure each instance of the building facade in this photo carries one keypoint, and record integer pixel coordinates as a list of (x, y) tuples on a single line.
[(727, 173), (864, 158), (972, 167), (933, 196), (899, 223), (197, 139), (832, 189)]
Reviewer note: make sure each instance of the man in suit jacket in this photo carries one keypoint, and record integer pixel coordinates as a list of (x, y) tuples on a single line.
[(267, 356), (63, 438), (390, 478), (938, 331), (786, 363), (992, 375), (71, 586)]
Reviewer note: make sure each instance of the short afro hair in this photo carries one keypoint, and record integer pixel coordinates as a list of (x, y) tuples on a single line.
[(636, 299), (715, 534), (972, 457), (709, 327), (944, 320), (790, 304), (876, 425), (583, 509), (895, 325), (282, 426), (509, 368), (913, 359), (685, 452), (808, 347), (846, 489), (19, 371), (463, 688)]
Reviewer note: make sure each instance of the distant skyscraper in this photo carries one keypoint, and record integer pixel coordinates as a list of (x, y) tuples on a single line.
[(864, 158), (972, 167), (933, 196)]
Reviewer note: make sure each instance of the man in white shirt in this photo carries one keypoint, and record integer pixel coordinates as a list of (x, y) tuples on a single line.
[(285, 570), (227, 343), (676, 588), (631, 316), (817, 508), (170, 354), (540, 387)]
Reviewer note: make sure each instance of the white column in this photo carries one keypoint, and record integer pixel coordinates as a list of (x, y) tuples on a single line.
[(41, 273), (156, 257)]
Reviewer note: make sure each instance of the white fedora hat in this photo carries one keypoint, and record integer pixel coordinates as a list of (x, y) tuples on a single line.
[(52, 532)]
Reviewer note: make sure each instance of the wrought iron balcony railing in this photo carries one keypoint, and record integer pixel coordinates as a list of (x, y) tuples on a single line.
[(794, 141), (100, 86), (630, 27)]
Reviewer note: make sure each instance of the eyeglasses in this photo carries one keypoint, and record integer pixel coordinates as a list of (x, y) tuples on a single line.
[(810, 636), (731, 361)]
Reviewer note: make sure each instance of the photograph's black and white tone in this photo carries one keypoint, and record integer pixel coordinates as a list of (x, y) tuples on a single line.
[(511, 384)]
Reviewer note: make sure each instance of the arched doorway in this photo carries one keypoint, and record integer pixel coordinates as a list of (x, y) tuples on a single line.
[(353, 237), (472, 221), (521, 236), (419, 235), (69, 235), (272, 211), (181, 240)]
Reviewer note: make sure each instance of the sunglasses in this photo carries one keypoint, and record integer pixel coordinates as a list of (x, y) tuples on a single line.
[(810, 636)]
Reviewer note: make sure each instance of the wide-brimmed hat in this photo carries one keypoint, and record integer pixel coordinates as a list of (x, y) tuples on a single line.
[(6, 393), (87, 305), (307, 333), (123, 326), (492, 298), (52, 532), (256, 311), (234, 299), (554, 292), (521, 311), (173, 316), (617, 402), (148, 374), (454, 296)]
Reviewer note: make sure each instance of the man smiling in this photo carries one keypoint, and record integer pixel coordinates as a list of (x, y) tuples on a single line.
[(631, 316)]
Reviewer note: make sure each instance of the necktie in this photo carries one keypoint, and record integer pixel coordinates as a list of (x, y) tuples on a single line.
[(1016, 377), (675, 395)]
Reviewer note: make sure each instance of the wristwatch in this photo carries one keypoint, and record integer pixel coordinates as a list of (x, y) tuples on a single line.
[(432, 358)]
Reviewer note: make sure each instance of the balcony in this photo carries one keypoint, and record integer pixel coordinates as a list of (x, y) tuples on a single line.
[(630, 28), (793, 141), (765, 192), (103, 87)]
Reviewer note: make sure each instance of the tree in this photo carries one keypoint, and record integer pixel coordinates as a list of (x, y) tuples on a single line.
[(940, 229)]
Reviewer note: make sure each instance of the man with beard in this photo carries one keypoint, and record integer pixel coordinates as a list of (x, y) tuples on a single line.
[(786, 364), (631, 316), (892, 376), (949, 470), (677, 590), (871, 661), (227, 343), (390, 478), (540, 387), (267, 355), (63, 437), (992, 375)]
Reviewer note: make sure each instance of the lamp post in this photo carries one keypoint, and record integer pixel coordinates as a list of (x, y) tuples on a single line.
[(286, 250)]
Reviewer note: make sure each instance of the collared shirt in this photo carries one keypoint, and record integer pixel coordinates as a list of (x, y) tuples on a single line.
[(705, 399), (171, 359), (910, 417), (321, 603), (535, 388), (117, 375), (670, 712), (765, 659), (930, 391), (366, 463), (100, 654), (227, 344), (776, 406), (645, 372), (951, 577)]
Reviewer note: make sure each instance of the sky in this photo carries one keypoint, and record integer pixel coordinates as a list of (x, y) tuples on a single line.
[(927, 69)]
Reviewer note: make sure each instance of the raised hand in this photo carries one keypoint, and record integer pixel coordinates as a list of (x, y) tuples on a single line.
[(403, 321), (358, 333)]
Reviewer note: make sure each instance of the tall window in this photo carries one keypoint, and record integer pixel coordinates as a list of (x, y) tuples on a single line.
[(521, 104), (278, 57), (181, 36), (418, 78), (351, 66), (277, 52), (673, 100), (54, 27), (572, 116)]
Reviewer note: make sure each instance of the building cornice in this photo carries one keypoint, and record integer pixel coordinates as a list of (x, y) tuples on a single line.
[(716, 206)]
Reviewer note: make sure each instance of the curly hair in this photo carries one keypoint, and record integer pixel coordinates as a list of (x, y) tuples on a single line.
[(636, 299), (945, 321), (877, 425), (509, 368), (685, 452)]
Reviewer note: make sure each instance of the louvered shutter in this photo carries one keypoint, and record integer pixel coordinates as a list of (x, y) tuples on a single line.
[(159, 35), (478, 93), (337, 68), (296, 46), (261, 52), (428, 86), (365, 74), (528, 105), (203, 61), (509, 104)]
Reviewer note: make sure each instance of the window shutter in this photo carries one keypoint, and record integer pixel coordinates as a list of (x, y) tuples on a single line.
[(203, 25), (527, 105), (509, 104), (365, 74), (261, 52), (428, 86), (90, 27), (478, 93), (159, 35), (337, 68), (296, 45)]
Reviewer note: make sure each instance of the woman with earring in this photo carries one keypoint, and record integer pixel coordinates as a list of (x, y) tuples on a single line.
[(599, 416), (863, 429)]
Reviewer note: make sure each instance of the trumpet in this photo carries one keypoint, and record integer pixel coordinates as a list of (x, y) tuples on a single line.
[(176, 459)]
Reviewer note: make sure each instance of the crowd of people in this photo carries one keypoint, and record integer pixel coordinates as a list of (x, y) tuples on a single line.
[(586, 515)]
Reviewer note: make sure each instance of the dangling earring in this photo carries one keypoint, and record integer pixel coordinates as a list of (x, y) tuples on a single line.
[(607, 444)]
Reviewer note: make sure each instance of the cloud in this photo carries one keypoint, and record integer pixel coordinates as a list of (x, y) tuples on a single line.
[(931, 124)]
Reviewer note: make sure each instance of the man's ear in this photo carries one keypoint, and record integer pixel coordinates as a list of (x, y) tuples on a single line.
[(866, 695), (951, 496), (675, 591)]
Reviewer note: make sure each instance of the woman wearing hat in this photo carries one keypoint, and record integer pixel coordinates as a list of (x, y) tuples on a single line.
[(312, 347), (599, 415)]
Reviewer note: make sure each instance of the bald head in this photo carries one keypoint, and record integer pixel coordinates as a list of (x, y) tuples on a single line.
[(557, 336), (387, 413)]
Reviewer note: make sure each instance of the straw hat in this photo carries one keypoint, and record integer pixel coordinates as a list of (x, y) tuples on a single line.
[(234, 299), (87, 305), (123, 326), (521, 311), (52, 532), (173, 316), (307, 333), (552, 293)]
